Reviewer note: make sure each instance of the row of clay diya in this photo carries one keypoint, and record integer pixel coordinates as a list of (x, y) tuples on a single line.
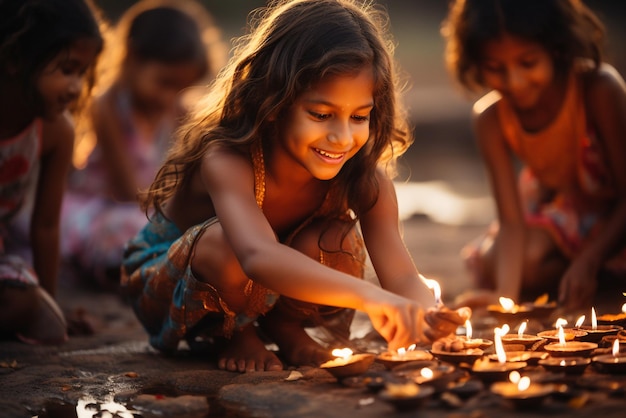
[(423, 375)]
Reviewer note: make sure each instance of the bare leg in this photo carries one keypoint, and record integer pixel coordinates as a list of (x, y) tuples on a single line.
[(32, 314), (214, 263)]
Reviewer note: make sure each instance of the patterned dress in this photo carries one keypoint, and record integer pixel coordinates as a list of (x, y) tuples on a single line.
[(19, 166)]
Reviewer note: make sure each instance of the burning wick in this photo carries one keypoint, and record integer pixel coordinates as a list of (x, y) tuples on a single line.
[(521, 329), (594, 320), (561, 335), (616, 348), (468, 329), (343, 355), (434, 286), (580, 321), (498, 333), (508, 305), (522, 383)]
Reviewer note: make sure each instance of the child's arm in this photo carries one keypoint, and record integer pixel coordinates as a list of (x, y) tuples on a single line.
[(606, 110), (502, 176), (56, 154), (111, 140), (394, 265), (229, 180)]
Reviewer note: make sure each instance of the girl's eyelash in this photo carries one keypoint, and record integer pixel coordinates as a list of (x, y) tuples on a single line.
[(319, 115), (360, 118)]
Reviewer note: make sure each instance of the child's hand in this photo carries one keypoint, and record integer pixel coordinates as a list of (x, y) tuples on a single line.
[(398, 320), (442, 322)]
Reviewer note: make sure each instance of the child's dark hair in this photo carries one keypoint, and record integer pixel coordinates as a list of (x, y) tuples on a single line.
[(566, 28), (163, 31), (293, 45), (33, 32)]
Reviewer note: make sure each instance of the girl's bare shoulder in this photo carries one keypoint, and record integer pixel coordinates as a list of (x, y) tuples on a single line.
[(57, 133)]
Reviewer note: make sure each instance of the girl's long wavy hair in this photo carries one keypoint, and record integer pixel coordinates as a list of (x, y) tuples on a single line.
[(566, 28), (292, 45)]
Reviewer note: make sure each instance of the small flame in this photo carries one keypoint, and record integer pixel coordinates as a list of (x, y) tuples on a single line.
[(498, 333), (521, 329), (624, 308), (561, 336), (401, 351), (434, 286), (468, 329), (580, 321), (594, 320), (514, 377), (561, 322), (507, 304), (427, 373), (562, 363), (344, 353), (523, 384), (411, 347), (616, 347)]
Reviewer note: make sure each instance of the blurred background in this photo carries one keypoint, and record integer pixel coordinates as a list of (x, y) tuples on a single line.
[(441, 176)]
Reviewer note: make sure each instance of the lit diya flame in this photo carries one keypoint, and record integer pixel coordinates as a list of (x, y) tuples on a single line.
[(580, 321), (616, 348), (624, 308), (427, 373), (402, 351), (508, 305), (561, 322), (521, 329), (561, 335), (523, 383), (468, 329), (342, 353), (498, 333), (594, 319), (434, 286)]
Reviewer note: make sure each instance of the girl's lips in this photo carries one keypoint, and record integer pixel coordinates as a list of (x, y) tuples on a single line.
[(331, 157)]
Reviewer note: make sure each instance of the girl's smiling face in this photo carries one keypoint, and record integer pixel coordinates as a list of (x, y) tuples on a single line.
[(61, 81), (328, 124), (521, 70)]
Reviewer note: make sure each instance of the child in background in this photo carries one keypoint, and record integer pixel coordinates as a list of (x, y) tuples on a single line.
[(262, 193), (558, 108), (159, 49), (47, 52)]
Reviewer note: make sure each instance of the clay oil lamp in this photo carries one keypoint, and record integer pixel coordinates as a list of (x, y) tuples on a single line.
[(521, 391), (406, 396), (541, 307), (596, 332), (469, 342), (565, 348), (347, 364), (611, 363), (614, 319), (526, 340), (569, 334), (567, 365), (465, 388), (507, 310), (491, 371), (391, 359)]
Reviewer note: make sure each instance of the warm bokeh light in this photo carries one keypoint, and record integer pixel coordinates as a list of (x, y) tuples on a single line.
[(342, 352), (427, 373), (507, 304)]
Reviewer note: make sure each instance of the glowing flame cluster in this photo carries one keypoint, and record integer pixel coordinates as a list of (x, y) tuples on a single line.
[(522, 383)]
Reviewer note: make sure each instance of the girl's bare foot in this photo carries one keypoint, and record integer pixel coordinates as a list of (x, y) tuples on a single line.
[(245, 352), (296, 346)]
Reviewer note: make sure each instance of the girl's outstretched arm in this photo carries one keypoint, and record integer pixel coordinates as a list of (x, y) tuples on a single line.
[(394, 265), (57, 147), (606, 107), (509, 256)]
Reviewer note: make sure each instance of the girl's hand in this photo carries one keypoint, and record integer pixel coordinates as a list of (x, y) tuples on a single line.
[(442, 322), (398, 320), (402, 322), (578, 285)]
